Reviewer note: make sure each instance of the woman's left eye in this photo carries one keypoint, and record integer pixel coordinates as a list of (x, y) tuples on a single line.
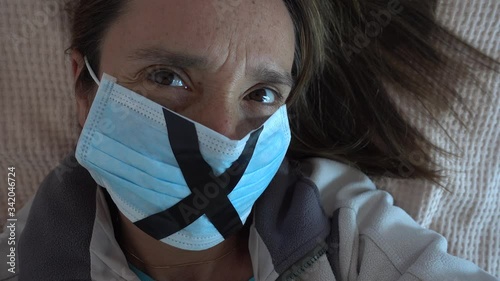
[(167, 78), (264, 95)]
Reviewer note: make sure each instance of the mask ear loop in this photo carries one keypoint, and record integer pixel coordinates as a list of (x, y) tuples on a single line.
[(91, 72)]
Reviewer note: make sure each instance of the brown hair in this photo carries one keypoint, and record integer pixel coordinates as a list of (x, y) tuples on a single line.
[(89, 22), (348, 53)]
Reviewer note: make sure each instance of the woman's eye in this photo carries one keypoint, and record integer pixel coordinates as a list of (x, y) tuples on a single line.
[(166, 78), (263, 95)]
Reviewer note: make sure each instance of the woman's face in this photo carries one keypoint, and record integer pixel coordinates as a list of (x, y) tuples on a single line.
[(223, 63)]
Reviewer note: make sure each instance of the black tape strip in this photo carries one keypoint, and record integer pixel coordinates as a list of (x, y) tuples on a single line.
[(209, 193), (197, 174)]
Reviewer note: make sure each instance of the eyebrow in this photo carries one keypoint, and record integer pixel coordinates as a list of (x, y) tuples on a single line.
[(161, 56), (272, 76)]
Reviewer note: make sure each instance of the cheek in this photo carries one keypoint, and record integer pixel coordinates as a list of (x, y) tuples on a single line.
[(82, 109)]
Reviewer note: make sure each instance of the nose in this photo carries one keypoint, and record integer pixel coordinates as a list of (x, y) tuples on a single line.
[(220, 115)]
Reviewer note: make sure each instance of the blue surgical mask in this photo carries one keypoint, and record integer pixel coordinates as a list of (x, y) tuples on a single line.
[(177, 180)]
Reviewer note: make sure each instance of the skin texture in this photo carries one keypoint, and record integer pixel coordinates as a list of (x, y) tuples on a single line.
[(239, 77)]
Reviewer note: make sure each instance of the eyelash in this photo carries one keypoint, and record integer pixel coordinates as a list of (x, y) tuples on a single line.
[(152, 72)]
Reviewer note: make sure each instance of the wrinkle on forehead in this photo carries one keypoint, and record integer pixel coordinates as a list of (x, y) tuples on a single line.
[(245, 27), (248, 33)]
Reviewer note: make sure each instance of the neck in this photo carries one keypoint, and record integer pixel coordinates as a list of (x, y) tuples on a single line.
[(164, 262)]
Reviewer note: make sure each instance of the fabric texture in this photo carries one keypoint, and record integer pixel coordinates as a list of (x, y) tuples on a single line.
[(469, 215), (38, 124), (74, 209)]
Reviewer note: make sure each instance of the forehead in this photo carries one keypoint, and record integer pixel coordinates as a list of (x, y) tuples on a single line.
[(216, 29)]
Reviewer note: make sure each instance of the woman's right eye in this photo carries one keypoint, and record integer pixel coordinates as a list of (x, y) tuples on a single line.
[(166, 78)]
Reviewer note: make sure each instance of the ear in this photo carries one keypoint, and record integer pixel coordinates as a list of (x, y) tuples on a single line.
[(83, 100)]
